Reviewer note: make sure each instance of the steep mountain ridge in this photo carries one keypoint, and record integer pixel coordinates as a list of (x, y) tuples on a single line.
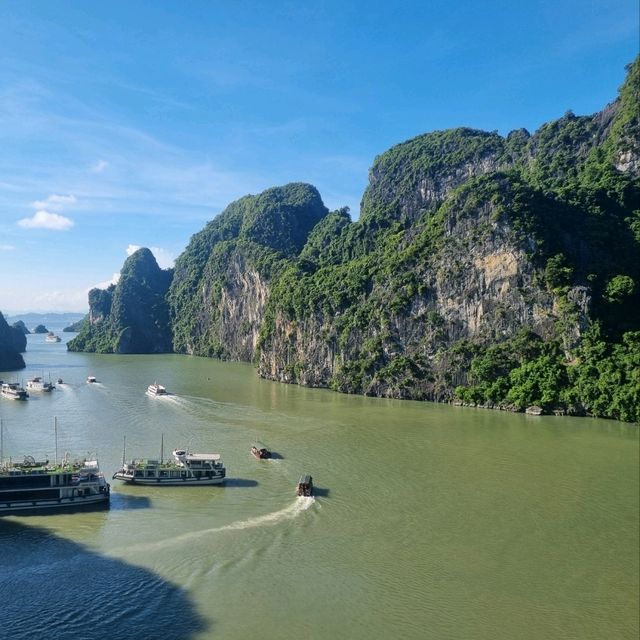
[(484, 269)]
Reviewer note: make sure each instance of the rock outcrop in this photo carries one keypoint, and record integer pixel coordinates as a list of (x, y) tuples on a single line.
[(13, 343), (132, 316)]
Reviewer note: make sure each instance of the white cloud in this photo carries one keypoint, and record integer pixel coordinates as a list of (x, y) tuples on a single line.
[(55, 202), (106, 283), (164, 258), (6, 247), (45, 220), (99, 166)]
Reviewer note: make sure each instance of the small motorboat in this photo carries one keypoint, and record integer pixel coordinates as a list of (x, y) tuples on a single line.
[(156, 389), (305, 486), (91, 379), (262, 453)]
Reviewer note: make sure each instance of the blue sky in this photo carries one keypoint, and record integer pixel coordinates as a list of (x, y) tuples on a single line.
[(133, 123)]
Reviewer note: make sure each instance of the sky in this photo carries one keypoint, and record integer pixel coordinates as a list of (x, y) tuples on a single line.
[(126, 124)]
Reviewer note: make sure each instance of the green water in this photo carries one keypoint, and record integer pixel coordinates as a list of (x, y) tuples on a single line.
[(430, 521)]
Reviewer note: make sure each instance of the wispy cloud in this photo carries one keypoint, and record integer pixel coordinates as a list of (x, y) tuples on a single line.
[(105, 283), (164, 258), (99, 166), (6, 247), (55, 202), (46, 220)]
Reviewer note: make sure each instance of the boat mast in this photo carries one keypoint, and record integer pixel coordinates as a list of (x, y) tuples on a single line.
[(162, 449), (55, 430), (124, 448)]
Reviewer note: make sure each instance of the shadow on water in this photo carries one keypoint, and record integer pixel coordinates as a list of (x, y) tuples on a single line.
[(276, 456), (54, 588), (240, 482), (320, 492), (124, 502)]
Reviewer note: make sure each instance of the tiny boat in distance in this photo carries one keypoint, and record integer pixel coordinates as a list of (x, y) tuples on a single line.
[(262, 453), (13, 391), (52, 337), (38, 384), (91, 379), (305, 486), (156, 389), (186, 469)]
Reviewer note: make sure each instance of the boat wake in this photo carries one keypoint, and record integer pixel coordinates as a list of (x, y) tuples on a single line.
[(288, 513)]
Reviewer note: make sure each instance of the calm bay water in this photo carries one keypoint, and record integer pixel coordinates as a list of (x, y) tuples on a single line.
[(430, 521)]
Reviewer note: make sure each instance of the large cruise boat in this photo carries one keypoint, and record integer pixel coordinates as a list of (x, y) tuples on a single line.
[(32, 486), (38, 384), (13, 391), (52, 337), (185, 469)]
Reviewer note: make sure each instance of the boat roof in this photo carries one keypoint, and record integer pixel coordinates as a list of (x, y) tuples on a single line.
[(202, 456)]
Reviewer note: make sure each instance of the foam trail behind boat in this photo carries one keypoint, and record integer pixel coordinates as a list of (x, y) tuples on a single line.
[(288, 513)]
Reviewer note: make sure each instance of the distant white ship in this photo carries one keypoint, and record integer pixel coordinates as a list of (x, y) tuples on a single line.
[(52, 337), (13, 391), (38, 384), (156, 389)]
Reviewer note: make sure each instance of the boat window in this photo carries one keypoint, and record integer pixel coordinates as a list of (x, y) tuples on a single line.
[(139, 474)]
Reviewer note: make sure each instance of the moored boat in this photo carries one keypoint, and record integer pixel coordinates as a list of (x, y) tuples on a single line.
[(13, 391), (185, 469), (305, 486), (156, 389), (38, 384), (260, 452), (32, 486)]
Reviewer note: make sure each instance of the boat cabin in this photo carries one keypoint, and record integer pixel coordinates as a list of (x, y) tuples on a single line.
[(262, 453)]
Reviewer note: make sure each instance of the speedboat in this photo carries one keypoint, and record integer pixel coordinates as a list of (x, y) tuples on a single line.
[(262, 453), (91, 379), (305, 486), (156, 389)]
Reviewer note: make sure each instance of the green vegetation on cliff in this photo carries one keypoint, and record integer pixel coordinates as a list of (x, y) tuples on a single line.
[(494, 270), (132, 316)]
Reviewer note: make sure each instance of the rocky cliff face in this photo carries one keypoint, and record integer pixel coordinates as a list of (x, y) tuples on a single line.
[(13, 342), (468, 228), (478, 261), (221, 283), (132, 316)]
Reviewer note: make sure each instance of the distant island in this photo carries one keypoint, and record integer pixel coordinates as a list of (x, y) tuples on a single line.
[(484, 270)]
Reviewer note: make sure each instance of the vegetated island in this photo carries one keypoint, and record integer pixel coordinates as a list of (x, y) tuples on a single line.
[(13, 342), (485, 270)]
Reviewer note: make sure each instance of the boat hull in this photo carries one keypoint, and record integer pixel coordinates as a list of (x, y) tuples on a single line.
[(24, 507), (170, 482)]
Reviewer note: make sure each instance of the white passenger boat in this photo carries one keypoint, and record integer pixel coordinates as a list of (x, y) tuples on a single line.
[(156, 389), (32, 486), (52, 337), (13, 391), (91, 379), (185, 469), (38, 384)]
